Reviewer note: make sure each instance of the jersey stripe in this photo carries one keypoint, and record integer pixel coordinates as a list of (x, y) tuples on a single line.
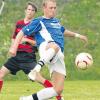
[(44, 33)]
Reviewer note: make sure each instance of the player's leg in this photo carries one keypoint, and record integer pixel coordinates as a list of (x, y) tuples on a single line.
[(46, 83), (58, 72), (43, 94), (49, 92), (28, 66), (3, 72), (53, 91), (58, 81), (47, 51), (8, 67), (38, 77)]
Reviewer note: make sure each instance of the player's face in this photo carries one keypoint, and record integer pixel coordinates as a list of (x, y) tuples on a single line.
[(50, 9), (30, 12)]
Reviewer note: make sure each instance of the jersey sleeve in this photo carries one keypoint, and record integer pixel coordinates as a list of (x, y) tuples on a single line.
[(15, 31), (33, 27), (63, 29)]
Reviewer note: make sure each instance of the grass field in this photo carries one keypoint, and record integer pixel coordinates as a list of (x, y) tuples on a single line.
[(74, 90), (82, 16)]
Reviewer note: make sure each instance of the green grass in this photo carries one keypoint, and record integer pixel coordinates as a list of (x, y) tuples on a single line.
[(74, 90)]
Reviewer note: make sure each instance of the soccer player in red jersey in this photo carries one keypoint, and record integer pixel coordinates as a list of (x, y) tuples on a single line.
[(25, 50), (25, 59)]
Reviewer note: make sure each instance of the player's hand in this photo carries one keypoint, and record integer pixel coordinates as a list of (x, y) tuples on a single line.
[(12, 51), (84, 38)]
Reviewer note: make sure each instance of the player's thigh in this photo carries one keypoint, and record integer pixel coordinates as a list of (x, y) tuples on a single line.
[(12, 65), (44, 46), (58, 73), (58, 66), (3, 72)]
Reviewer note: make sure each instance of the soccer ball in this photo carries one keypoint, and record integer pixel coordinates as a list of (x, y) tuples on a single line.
[(83, 60)]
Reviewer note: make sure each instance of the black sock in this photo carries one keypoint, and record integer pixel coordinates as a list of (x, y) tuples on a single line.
[(35, 96), (41, 63)]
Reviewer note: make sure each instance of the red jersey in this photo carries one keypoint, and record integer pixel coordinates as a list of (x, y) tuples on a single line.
[(24, 46)]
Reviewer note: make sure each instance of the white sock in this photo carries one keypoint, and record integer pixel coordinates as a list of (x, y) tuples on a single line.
[(45, 59), (28, 97), (46, 93)]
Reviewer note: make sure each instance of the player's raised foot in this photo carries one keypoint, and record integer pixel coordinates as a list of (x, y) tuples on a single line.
[(26, 98), (32, 75)]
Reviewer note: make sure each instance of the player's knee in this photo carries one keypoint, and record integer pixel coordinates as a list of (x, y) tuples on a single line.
[(54, 46), (1, 74), (59, 90)]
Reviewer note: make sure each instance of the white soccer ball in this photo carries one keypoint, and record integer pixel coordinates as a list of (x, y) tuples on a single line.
[(83, 60)]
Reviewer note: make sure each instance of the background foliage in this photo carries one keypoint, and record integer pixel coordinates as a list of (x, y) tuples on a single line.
[(80, 16)]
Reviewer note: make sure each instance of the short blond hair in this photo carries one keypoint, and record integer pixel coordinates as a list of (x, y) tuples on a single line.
[(45, 2)]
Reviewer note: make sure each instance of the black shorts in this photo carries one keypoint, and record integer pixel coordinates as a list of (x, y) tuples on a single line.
[(22, 61)]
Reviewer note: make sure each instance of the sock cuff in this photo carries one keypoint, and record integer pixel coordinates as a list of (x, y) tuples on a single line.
[(41, 63), (1, 82), (47, 84), (54, 91), (35, 96)]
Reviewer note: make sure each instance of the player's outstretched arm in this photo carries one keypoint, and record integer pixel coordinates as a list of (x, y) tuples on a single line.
[(14, 46), (73, 34)]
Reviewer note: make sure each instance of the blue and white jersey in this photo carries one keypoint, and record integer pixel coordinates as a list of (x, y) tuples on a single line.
[(46, 30)]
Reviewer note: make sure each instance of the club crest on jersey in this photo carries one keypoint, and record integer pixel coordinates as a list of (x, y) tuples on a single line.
[(27, 29)]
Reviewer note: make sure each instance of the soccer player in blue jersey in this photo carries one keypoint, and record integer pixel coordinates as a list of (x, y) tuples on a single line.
[(49, 36)]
